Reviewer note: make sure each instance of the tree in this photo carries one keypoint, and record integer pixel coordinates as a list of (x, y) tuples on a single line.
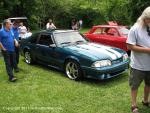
[(136, 7)]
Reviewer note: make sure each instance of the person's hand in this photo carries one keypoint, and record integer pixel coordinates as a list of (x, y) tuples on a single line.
[(16, 43), (3, 49)]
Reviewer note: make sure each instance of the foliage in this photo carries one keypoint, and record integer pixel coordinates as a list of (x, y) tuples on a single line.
[(63, 11), (136, 8)]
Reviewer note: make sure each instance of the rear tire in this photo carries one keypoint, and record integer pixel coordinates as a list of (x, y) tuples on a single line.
[(73, 70)]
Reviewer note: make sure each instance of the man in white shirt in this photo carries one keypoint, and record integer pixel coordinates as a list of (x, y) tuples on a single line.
[(50, 25), (138, 42), (22, 31)]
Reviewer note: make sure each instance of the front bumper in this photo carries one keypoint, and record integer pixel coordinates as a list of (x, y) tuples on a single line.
[(105, 72)]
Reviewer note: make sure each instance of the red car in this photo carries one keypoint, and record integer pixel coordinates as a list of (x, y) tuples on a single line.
[(112, 35)]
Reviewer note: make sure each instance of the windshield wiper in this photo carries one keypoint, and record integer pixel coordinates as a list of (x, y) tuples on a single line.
[(65, 43)]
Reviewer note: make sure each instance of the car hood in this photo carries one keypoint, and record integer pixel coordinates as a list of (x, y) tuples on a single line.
[(96, 51)]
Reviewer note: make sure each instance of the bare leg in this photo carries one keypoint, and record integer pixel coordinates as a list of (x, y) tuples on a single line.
[(146, 93), (133, 97)]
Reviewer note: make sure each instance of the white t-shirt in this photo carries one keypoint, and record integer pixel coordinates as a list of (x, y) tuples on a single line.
[(50, 26), (139, 36), (22, 31)]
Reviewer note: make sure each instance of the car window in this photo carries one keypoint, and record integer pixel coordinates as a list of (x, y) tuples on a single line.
[(123, 31), (99, 31), (45, 39), (68, 38), (34, 38), (112, 32)]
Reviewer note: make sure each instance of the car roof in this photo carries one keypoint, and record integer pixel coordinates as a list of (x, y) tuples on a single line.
[(108, 26)]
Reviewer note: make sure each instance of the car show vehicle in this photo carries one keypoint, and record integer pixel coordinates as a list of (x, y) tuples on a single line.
[(112, 35), (71, 52)]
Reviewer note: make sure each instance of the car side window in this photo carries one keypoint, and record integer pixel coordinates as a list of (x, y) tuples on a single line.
[(45, 39), (34, 38), (99, 31), (112, 31)]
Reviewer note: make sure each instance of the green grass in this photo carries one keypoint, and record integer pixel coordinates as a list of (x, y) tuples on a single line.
[(84, 30), (40, 89)]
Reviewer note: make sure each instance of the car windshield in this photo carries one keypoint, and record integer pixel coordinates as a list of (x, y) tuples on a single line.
[(66, 38), (124, 31)]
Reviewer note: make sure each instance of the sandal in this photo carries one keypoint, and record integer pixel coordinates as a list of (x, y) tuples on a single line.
[(147, 104), (134, 109)]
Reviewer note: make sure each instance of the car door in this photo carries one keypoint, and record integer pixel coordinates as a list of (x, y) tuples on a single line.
[(94, 34), (114, 39), (110, 37), (45, 49), (99, 35)]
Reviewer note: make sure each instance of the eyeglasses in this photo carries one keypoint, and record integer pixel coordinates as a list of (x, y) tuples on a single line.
[(148, 30)]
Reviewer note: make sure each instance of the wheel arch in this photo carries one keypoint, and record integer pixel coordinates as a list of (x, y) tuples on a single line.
[(72, 58), (26, 49)]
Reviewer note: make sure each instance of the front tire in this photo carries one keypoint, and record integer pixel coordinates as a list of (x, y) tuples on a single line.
[(28, 57), (73, 70)]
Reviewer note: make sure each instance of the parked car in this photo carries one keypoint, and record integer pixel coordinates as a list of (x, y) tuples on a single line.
[(112, 35), (69, 51), (20, 19)]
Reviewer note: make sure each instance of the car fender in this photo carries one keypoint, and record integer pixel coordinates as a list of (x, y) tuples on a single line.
[(26, 48), (72, 58)]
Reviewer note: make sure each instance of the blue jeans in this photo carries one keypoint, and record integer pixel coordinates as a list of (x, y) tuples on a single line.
[(10, 62)]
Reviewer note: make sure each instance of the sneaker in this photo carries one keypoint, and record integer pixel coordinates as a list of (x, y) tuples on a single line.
[(13, 79)]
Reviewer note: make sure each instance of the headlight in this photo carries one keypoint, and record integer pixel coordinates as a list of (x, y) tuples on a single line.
[(101, 63), (125, 57)]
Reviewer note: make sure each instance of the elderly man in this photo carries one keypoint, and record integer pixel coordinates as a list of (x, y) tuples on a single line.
[(139, 43), (7, 45)]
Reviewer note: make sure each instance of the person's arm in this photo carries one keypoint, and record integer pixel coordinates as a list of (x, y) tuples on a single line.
[(16, 42), (2, 47), (132, 42), (138, 48), (47, 26), (53, 26)]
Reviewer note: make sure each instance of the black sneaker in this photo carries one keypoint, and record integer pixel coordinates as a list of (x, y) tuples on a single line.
[(13, 79)]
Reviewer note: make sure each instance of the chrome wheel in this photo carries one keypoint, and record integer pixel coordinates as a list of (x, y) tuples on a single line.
[(27, 57), (72, 70)]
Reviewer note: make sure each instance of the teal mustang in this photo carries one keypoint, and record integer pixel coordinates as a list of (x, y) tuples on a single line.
[(71, 52)]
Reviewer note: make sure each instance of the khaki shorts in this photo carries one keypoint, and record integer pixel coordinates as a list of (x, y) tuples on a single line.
[(137, 76)]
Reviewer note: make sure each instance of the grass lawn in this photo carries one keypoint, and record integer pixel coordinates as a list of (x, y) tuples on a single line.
[(84, 30), (41, 89)]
